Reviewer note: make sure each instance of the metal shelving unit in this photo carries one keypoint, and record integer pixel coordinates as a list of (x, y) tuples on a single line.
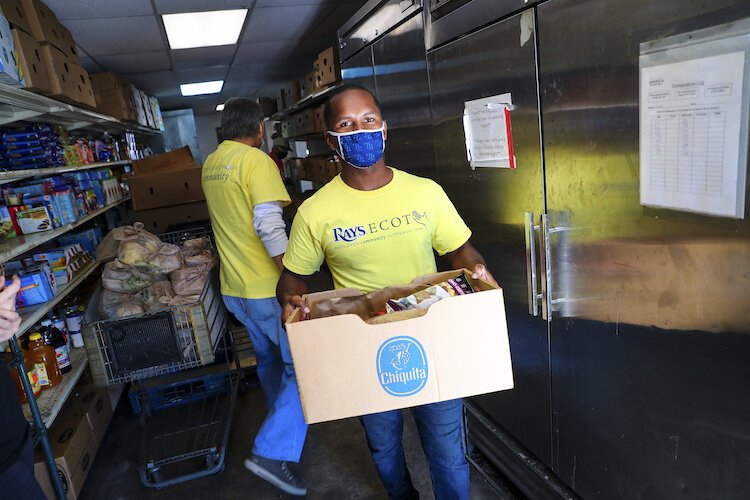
[(14, 247), (304, 102), (17, 175)]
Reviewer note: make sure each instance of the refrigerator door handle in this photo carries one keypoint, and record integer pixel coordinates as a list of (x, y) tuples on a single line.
[(531, 274), (545, 264)]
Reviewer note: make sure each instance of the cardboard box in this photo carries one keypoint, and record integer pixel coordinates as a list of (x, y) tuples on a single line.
[(16, 15), (267, 105), (164, 189), (177, 159), (9, 74), (74, 448), (146, 102), (84, 91), (292, 94), (156, 110), (307, 84), (68, 45), (114, 96), (32, 68), (61, 77), (158, 220), (346, 367), (327, 68), (140, 111), (43, 23), (93, 402)]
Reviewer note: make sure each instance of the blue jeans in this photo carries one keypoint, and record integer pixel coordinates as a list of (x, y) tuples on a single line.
[(440, 427), (283, 432)]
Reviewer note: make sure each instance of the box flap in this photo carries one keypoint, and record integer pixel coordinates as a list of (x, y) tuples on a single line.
[(174, 160)]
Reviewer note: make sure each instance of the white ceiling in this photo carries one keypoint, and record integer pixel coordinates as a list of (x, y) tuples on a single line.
[(279, 42)]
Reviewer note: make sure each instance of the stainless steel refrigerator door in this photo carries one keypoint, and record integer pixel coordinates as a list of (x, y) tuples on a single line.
[(493, 202), (404, 94), (359, 70), (649, 341)]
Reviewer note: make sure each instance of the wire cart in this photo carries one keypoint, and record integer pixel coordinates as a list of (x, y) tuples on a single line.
[(184, 367)]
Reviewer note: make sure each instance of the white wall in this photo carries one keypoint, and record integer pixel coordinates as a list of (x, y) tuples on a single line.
[(206, 126)]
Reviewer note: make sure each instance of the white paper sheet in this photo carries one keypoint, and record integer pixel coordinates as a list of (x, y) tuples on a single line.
[(693, 137), (489, 140)]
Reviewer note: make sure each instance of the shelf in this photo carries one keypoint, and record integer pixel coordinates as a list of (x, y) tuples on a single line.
[(19, 105), (52, 400), (304, 102), (14, 247), (17, 175), (30, 315)]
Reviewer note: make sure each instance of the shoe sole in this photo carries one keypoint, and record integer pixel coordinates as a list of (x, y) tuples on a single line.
[(267, 476)]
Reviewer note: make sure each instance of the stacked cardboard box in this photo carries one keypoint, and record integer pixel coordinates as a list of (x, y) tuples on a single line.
[(327, 68), (319, 169), (113, 95), (75, 438), (166, 190)]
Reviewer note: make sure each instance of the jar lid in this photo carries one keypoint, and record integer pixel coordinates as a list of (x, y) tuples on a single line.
[(35, 336)]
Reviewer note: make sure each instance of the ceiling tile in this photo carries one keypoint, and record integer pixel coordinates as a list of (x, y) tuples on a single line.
[(126, 35), (250, 53), (135, 63), (160, 83), (173, 6), (203, 74), (90, 65), (98, 9), (279, 23), (192, 58)]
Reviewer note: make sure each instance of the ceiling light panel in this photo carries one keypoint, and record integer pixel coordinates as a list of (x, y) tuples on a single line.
[(201, 88), (189, 30)]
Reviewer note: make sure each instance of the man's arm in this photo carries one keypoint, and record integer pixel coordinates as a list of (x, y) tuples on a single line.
[(269, 225), (289, 292), (466, 256)]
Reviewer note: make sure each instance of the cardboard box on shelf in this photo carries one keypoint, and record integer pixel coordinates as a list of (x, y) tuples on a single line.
[(164, 189), (267, 105), (281, 100), (9, 73), (44, 24), (62, 83), (32, 68), (74, 448), (177, 159), (83, 86), (156, 110), (346, 367), (307, 84), (140, 111), (16, 15), (320, 123), (287, 128), (150, 122), (93, 402), (158, 220), (327, 68), (113, 95), (68, 45), (292, 94)]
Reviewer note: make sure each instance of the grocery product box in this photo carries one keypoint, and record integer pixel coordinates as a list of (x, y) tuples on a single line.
[(346, 367), (140, 111), (327, 68), (267, 105), (8, 66), (34, 220), (62, 84), (84, 91), (68, 45), (94, 404), (307, 84), (158, 220), (163, 189), (35, 288), (15, 14), (32, 69), (43, 23), (156, 110)]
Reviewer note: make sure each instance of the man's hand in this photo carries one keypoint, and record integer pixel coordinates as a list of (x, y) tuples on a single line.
[(10, 321), (293, 302), (481, 273)]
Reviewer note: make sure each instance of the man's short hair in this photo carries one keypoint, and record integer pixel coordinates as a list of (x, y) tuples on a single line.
[(328, 112), (240, 118)]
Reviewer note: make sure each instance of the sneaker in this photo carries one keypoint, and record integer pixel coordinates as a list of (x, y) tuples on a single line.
[(277, 473)]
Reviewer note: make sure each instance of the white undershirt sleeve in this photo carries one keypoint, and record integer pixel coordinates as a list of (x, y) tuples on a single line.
[(269, 225)]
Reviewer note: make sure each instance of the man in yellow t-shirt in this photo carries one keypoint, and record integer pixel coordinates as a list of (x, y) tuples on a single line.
[(245, 196), (376, 226)]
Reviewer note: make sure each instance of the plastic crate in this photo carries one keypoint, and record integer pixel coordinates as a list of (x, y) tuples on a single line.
[(159, 342)]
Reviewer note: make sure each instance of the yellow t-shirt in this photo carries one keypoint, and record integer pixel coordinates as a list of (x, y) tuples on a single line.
[(235, 178), (374, 239)]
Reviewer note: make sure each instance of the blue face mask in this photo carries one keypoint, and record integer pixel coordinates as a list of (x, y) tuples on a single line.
[(361, 148)]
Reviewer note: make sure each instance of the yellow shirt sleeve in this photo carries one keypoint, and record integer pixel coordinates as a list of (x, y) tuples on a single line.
[(263, 180), (450, 231), (304, 255)]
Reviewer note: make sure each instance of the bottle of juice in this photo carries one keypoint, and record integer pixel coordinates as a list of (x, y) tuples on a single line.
[(45, 360), (8, 359), (54, 338), (36, 387)]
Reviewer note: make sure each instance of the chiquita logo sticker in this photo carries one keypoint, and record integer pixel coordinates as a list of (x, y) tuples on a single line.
[(402, 366)]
